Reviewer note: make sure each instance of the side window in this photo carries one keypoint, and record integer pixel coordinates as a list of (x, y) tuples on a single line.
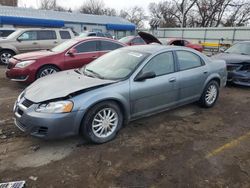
[(90, 46), (188, 60), (92, 34), (65, 35), (138, 40), (46, 35), (28, 35), (107, 46), (161, 64)]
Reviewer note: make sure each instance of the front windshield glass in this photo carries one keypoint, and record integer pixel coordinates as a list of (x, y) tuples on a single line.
[(64, 46), (239, 48), (115, 65)]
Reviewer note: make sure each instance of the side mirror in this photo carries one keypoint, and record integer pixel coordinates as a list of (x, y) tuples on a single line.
[(144, 76), (19, 40), (72, 51), (222, 50)]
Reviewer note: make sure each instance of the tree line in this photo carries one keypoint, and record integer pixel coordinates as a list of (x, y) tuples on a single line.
[(171, 13)]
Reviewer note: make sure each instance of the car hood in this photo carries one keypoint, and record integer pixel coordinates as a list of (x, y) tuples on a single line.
[(34, 55), (148, 38), (61, 85), (232, 58)]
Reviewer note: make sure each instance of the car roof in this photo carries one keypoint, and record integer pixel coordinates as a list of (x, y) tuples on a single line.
[(96, 38), (154, 48)]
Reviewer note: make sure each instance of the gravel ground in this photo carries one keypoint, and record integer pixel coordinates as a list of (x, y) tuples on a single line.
[(185, 147)]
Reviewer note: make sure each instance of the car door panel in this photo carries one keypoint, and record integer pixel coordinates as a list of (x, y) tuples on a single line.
[(27, 42), (153, 94), (156, 93)]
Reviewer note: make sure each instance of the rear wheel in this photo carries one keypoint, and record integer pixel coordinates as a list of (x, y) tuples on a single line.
[(210, 94), (46, 70), (102, 122), (5, 55)]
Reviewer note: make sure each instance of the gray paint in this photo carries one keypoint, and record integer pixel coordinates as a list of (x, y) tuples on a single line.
[(137, 98)]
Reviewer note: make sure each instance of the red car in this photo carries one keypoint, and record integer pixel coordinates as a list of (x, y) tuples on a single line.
[(71, 54), (180, 42)]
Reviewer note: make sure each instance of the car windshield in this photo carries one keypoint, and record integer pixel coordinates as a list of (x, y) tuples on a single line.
[(115, 65), (126, 39), (239, 48), (64, 46)]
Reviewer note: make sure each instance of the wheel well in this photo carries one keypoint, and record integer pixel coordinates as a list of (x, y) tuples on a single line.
[(217, 80), (47, 65), (8, 50), (121, 106)]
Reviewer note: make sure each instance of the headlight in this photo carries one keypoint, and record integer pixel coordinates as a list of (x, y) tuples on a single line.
[(23, 64), (56, 107)]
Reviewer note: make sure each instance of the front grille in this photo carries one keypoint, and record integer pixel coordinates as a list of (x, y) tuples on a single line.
[(27, 103), (43, 130)]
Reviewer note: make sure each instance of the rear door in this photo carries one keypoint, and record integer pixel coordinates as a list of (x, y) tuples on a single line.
[(158, 93), (85, 53), (47, 39), (27, 42), (193, 74)]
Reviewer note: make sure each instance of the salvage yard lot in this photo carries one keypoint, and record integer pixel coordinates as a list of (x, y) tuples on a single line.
[(185, 147)]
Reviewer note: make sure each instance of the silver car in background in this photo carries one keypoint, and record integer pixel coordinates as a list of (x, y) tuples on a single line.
[(121, 86)]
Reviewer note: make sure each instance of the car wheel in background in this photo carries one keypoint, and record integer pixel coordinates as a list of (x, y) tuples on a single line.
[(46, 70), (102, 122), (210, 94), (5, 55)]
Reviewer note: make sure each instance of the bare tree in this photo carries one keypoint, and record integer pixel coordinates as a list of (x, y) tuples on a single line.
[(48, 4), (135, 15), (164, 12), (92, 7)]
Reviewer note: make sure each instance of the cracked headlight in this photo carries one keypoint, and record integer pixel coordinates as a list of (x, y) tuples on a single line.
[(56, 107), (24, 64)]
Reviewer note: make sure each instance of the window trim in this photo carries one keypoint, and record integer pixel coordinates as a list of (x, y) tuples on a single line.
[(178, 63), (174, 60)]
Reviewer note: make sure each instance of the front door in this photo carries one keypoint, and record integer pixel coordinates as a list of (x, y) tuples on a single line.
[(27, 42), (157, 93), (85, 53)]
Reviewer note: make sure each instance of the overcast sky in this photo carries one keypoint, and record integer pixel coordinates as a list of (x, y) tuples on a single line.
[(74, 4)]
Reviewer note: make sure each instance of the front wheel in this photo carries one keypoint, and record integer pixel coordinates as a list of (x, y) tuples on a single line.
[(5, 55), (102, 122), (46, 70), (210, 94)]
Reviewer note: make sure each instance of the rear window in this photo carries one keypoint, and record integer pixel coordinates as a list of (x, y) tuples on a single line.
[(65, 35), (46, 35)]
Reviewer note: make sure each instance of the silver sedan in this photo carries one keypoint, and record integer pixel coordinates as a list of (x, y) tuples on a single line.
[(123, 85)]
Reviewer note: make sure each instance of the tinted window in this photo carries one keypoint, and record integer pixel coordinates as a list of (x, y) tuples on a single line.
[(92, 34), (138, 40), (46, 35), (5, 33), (99, 34), (65, 35), (188, 60), (161, 64), (90, 46), (107, 45), (28, 35)]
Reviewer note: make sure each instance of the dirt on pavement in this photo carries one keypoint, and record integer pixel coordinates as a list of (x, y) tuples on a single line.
[(186, 147)]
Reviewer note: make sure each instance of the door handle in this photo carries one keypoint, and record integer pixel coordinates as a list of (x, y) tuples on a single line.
[(94, 57), (205, 72), (55, 42), (172, 79), (34, 42)]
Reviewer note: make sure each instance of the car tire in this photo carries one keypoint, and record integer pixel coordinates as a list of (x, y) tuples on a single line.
[(46, 70), (210, 94), (5, 55), (98, 129)]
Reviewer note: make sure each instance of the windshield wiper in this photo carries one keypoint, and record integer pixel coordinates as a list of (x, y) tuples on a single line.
[(94, 73), (78, 71)]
